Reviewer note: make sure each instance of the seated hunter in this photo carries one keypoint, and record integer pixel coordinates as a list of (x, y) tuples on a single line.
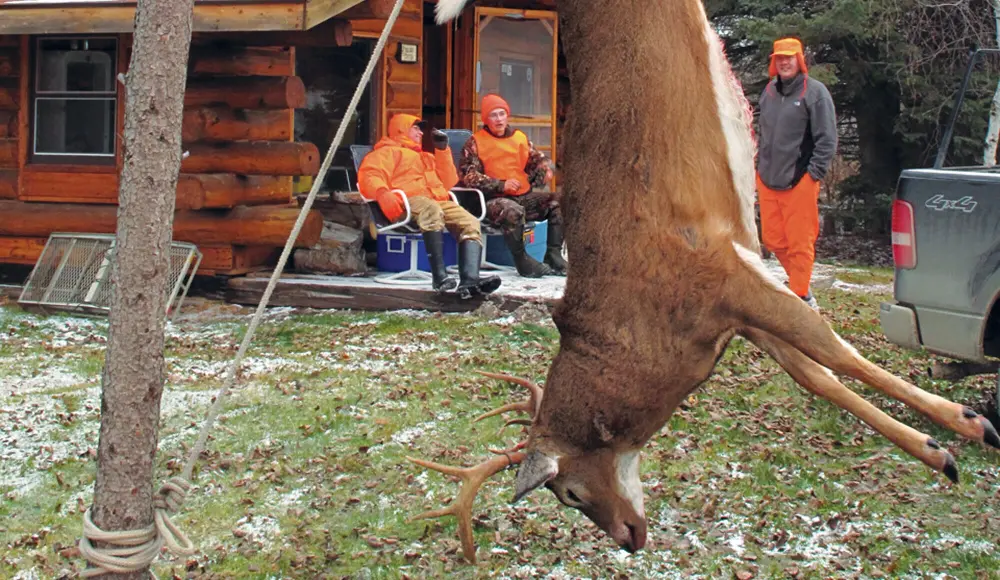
[(503, 163), (399, 162)]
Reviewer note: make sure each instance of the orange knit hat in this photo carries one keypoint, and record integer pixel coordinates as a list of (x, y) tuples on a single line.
[(787, 47), (490, 103)]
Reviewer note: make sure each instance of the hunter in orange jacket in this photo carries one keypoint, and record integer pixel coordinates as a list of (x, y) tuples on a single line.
[(398, 162), (504, 164)]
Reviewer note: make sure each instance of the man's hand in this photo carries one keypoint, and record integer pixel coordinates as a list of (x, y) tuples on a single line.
[(440, 139), (390, 204), (511, 186)]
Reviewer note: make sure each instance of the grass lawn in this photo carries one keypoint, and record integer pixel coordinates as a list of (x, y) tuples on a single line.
[(305, 475)]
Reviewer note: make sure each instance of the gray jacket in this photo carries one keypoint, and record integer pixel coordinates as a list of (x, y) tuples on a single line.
[(798, 131)]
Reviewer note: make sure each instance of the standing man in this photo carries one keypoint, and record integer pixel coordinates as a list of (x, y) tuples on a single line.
[(503, 163), (798, 138)]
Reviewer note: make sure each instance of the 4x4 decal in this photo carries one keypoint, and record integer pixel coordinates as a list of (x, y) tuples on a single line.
[(939, 203)]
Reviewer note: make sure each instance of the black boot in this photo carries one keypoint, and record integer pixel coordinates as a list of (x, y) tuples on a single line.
[(525, 264), (553, 250), (470, 253), (434, 243)]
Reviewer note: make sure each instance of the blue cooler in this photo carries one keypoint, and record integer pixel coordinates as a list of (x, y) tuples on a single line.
[(393, 250), (534, 242)]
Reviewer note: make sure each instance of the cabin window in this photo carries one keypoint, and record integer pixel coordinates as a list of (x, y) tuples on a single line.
[(74, 98)]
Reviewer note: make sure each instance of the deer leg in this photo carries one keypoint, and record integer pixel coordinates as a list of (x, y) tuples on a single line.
[(821, 382), (760, 301)]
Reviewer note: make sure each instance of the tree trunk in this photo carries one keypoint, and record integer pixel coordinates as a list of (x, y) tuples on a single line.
[(993, 129), (134, 366)]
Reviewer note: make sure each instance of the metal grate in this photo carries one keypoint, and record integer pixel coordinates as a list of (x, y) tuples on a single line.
[(73, 273)]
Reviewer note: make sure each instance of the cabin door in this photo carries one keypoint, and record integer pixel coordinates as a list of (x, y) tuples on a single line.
[(515, 56)]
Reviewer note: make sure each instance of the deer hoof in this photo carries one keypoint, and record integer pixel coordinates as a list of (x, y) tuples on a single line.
[(990, 436), (950, 468)]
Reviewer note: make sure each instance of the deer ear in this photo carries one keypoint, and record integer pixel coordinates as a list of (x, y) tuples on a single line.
[(536, 469)]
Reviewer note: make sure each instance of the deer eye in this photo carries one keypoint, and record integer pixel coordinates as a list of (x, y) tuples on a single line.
[(572, 496)]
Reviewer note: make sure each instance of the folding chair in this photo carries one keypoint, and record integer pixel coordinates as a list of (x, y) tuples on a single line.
[(475, 204), (404, 226)]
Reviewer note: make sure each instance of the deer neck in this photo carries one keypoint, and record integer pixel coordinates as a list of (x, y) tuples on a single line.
[(658, 145), (658, 188)]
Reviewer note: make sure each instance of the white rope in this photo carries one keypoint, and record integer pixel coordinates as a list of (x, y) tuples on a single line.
[(135, 550)]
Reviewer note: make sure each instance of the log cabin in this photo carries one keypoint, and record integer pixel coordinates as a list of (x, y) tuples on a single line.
[(267, 86)]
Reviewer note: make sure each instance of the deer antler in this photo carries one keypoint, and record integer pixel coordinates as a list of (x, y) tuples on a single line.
[(529, 406), (472, 479)]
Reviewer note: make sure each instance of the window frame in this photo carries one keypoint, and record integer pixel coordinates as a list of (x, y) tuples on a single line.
[(98, 161)]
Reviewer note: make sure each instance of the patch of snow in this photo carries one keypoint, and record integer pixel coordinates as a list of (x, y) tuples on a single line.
[(31, 441), (176, 402), (948, 541), (293, 497), (692, 537), (48, 378), (736, 543), (411, 434), (185, 370), (862, 288), (735, 471), (261, 530)]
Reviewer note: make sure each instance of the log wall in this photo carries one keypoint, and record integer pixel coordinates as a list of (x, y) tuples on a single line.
[(234, 192), (10, 115)]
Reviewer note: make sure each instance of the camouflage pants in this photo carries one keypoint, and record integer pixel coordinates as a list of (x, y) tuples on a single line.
[(509, 212)]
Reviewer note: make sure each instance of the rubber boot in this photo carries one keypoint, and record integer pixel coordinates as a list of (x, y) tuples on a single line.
[(470, 253), (553, 250), (527, 266), (434, 243)]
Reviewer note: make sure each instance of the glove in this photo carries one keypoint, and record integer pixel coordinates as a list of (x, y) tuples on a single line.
[(390, 204), (440, 140)]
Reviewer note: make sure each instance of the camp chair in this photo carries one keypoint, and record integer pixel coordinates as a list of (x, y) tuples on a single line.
[(456, 140), (404, 226)]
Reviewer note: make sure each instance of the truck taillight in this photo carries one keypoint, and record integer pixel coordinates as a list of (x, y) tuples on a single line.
[(904, 243)]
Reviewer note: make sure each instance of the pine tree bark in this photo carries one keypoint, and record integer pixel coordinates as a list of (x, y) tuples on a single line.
[(134, 365), (993, 128)]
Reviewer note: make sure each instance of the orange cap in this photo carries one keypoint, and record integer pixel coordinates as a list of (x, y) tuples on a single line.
[(491, 103), (787, 47)]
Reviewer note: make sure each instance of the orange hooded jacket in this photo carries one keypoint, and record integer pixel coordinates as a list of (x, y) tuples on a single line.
[(397, 162)]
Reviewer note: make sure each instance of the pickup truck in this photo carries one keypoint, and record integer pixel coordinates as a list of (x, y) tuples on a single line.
[(946, 252)]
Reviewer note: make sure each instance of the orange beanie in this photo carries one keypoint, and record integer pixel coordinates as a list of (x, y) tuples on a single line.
[(787, 47), (491, 102)]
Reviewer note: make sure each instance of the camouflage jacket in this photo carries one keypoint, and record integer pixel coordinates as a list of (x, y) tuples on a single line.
[(472, 174)]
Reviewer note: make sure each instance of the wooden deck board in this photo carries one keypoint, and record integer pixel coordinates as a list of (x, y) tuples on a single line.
[(363, 293)]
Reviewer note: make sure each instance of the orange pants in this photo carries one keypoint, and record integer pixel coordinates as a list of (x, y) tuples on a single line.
[(789, 225)]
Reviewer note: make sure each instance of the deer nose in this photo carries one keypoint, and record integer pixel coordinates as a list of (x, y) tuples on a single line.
[(632, 537)]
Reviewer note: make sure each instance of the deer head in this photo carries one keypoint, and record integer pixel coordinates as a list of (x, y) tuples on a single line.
[(603, 484), (658, 199)]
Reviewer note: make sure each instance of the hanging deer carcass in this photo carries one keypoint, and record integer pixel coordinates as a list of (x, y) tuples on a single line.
[(659, 194)]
